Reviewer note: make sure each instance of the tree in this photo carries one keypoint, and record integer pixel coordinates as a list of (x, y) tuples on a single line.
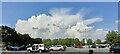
[(117, 40), (61, 41), (75, 42), (9, 36), (68, 41), (98, 41), (36, 40), (55, 42), (83, 42), (24, 39), (112, 38), (89, 41), (47, 42)]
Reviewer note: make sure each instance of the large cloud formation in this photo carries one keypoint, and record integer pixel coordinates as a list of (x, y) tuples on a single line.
[(59, 24)]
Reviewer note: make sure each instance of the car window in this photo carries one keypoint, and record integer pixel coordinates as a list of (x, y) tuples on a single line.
[(117, 46), (37, 46), (58, 46), (33, 46), (40, 45)]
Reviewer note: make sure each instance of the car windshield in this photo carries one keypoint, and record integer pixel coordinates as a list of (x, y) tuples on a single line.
[(33, 46)]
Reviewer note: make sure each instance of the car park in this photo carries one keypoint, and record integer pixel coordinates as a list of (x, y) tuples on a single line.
[(115, 49), (57, 48), (37, 48)]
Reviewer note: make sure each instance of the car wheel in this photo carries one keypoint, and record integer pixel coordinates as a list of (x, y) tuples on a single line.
[(60, 50), (40, 50), (51, 49), (63, 50), (29, 50), (111, 51)]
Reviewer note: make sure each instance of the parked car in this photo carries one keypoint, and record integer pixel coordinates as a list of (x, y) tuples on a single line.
[(15, 48), (115, 49), (79, 46), (86, 46), (23, 47), (93, 46), (38, 48), (57, 48)]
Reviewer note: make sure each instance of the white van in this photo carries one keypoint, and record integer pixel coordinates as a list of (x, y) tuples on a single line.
[(37, 48)]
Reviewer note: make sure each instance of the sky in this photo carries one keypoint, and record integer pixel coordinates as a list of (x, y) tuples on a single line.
[(92, 16), (59, 0)]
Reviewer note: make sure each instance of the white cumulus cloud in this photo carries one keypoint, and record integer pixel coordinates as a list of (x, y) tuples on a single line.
[(99, 34), (60, 24)]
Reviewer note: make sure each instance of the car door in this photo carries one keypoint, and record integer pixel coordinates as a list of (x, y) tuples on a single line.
[(35, 47), (58, 47), (55, 48)]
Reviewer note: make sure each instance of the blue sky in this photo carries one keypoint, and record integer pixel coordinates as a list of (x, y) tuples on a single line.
[(59, 0), (12, 11), (108, 11)]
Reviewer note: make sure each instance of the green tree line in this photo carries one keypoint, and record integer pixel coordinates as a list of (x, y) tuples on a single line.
[(10, 37)]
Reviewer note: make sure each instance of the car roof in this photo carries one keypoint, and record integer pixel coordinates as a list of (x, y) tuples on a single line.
[(58, 45)]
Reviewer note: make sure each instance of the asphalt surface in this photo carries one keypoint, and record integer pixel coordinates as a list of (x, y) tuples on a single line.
[(69, 50)]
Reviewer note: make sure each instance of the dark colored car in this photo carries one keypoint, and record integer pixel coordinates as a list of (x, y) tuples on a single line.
[(115, 49), (93, 46), (15, 48), (23, 47)]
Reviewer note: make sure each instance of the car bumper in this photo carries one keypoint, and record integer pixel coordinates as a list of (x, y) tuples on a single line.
[(115, 50)]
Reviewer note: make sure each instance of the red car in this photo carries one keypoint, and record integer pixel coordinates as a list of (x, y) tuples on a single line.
[(79, 46)]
